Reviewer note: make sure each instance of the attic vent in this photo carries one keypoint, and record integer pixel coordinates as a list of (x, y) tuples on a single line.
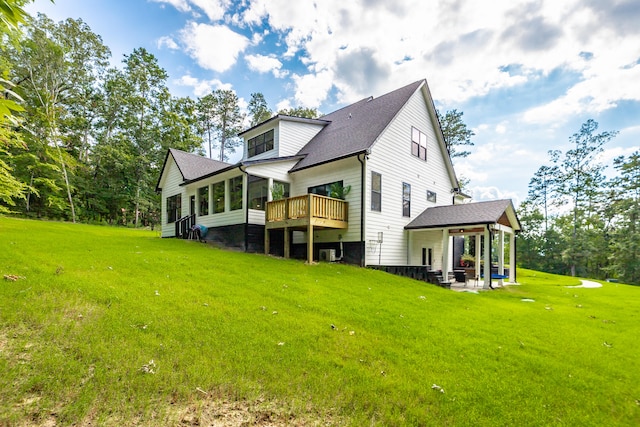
[(349, 115)]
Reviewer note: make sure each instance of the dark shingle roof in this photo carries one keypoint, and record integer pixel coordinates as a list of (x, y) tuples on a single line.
[(467, 214), (193, 166), (353, 129)]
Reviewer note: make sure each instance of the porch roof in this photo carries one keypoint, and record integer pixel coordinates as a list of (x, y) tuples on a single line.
[(491, 212)]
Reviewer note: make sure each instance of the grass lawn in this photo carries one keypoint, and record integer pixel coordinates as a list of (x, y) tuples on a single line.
[(111, 326)]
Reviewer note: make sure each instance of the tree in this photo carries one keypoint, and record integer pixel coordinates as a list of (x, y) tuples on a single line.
[(11, 188), (219, 115), (56, 68), (147, 98), (540, 189), (455, 132), (258, 109), (307, 113), (579, 179), (625, 204), (205, 113)]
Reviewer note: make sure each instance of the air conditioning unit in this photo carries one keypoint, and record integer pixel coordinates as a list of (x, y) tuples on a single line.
[(328, 255)]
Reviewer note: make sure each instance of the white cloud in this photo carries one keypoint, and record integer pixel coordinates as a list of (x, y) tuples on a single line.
[(168, 42), (202, 87), (479, 194), (214, 47), (214, 9), (265, 64), (181, 5), (600, 91), (462, 47), (285, 104), (312, 89), (501, 128)]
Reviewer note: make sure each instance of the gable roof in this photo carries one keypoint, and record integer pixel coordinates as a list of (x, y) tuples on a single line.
[(353, 129), (491, 212), (192, 166)]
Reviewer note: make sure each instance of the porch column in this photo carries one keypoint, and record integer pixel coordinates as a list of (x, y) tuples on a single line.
[(269, 188), (445, 255), (501, 256), (286, 243), (310, 244), (478, 257), (487, 259), (512, 257)]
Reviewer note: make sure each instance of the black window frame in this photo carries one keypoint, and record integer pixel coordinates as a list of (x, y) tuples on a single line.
[(324, 189), (431, 196), (419, 143), (257, 203), (174, 208), (406, 199), (218, 202), (236, 187), (203, 201), (261, 143), (376, 193)]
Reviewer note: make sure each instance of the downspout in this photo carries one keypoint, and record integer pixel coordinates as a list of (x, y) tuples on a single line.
[(362, 189), (245, 203)]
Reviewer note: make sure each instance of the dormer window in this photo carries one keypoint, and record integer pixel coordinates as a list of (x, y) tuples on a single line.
[(260, 144)]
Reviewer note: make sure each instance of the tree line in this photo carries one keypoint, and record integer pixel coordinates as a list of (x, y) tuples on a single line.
[(577, 221)]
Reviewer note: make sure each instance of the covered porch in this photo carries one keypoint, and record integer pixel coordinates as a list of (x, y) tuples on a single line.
[(492, 226), (306, 213)]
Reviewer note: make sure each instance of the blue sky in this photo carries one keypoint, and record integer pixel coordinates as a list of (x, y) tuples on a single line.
[(526, 74)]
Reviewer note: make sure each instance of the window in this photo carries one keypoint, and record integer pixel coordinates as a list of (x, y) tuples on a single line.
[(431, 196), (376, 192), (258, 190), (324, 189), (235, 193), (406, 199), (217, 193), (174, 208), (418, 144), (203, 200), (260, 144)]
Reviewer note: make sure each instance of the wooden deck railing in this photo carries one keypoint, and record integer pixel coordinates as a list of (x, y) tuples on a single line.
[(309, 207)]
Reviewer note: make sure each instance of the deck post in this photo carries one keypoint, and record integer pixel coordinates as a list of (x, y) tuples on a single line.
[(310, 243), (286, 243), (266, 241)]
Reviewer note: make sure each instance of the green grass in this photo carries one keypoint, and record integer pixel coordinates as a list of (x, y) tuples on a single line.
[(94, 305)]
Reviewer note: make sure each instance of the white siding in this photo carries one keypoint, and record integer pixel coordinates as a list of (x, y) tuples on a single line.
[(170, 185), (276, 170), (294, 136), (347, 171), (429, 240), (391, 157)]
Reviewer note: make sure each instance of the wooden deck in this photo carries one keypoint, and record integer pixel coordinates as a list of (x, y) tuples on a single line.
[(304, 213)]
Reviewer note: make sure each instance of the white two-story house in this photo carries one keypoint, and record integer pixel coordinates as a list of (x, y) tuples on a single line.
[(369, 184)]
